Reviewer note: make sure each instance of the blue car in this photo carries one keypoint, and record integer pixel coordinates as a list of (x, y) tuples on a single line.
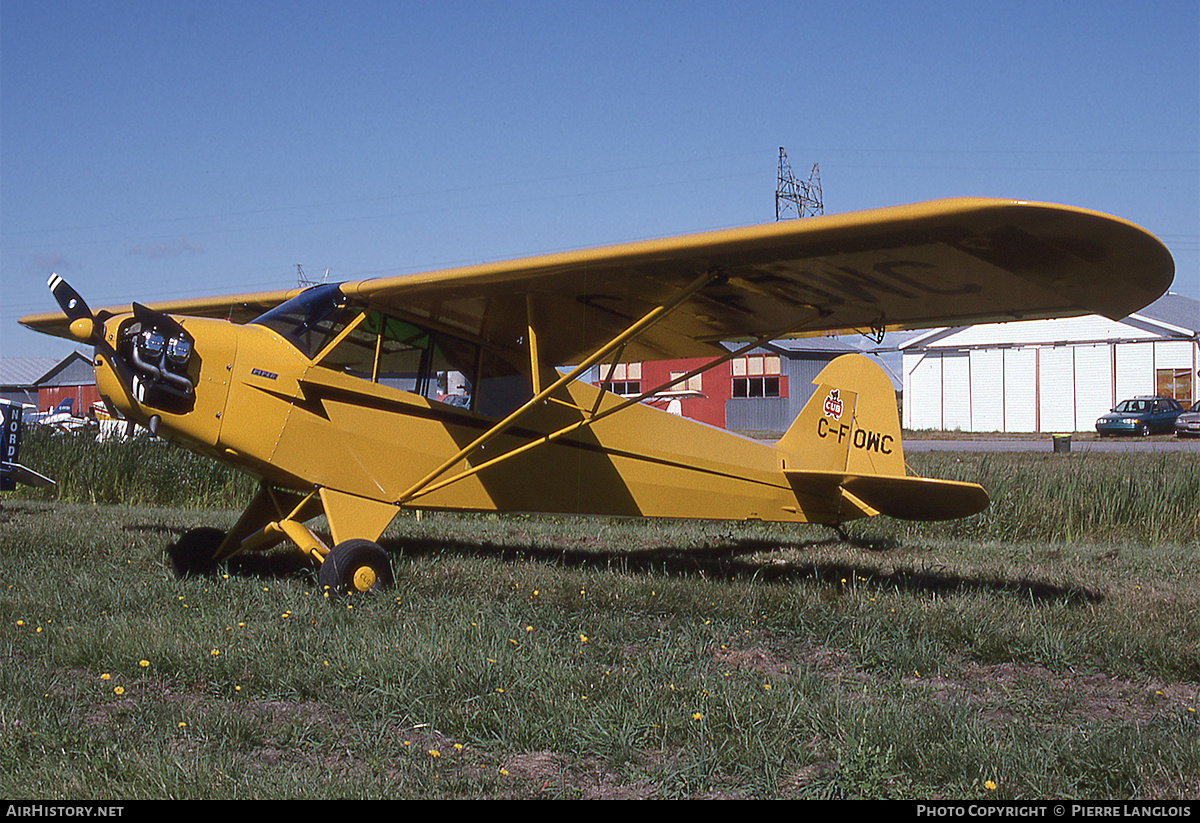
[(1140, 415)]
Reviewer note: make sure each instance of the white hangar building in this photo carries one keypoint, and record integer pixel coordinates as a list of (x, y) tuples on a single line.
[(1049, 375)]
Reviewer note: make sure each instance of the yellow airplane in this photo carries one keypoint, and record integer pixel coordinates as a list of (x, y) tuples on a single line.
[(448, 390)]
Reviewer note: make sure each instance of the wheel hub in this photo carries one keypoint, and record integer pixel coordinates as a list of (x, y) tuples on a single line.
[(364, 578)]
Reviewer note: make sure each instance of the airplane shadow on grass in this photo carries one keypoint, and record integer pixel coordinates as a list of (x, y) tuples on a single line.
[(726, 559)]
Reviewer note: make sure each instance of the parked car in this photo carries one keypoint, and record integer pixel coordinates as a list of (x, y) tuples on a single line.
[(1189, 422), (1140, 415)]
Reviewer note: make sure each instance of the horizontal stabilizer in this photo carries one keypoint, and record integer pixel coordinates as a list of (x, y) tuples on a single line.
[(901, 497), (29, 477)]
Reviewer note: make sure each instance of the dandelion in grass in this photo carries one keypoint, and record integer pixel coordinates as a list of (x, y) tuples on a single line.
[(119, 690), (106, 676), (144, 663), (990, 785)]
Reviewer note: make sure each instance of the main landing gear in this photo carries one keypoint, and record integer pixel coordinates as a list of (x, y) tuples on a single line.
[(353, 566)]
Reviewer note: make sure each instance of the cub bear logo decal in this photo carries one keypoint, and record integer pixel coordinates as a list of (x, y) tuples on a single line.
[(833, 405)]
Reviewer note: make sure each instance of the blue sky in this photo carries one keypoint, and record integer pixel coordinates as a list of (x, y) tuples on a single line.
[(158, 150)]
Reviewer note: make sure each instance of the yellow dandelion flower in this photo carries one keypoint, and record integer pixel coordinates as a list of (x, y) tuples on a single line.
[(434, 753), (105, 676), (990, 785), (119, 690), (144, 663), (583, 638), (697, 716)]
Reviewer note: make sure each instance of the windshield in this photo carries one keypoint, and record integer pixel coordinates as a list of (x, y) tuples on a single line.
[(310, 318)]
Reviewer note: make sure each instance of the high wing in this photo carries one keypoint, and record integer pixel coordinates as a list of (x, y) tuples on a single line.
[(945, 262)]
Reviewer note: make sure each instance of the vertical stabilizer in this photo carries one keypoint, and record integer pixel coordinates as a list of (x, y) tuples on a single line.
[(849, 425)]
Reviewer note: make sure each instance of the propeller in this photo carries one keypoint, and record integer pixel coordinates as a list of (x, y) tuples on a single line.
[(83, 324)]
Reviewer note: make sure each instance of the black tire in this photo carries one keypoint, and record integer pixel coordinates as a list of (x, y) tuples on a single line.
[(355, 566), (193, 554)]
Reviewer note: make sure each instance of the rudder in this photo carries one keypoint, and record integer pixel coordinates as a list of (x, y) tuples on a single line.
[(850, 424)]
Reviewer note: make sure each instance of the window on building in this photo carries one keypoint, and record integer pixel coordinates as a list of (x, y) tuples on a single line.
[(693, 383), (756, 375), (626, 378), (1175, 383)]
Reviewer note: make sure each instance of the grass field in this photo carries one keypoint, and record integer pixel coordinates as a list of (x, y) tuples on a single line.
[(1049, 647)]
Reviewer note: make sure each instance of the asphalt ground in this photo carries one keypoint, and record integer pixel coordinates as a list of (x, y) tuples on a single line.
[(1153, 443)]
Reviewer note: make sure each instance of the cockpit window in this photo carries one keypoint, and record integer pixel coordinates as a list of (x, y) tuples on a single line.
[(310, 319), (396, 353)]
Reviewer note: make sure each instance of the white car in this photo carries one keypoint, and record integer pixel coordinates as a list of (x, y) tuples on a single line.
[(1188, 423)]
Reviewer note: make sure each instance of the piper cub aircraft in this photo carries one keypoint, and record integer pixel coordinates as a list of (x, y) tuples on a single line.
[(448, 390)]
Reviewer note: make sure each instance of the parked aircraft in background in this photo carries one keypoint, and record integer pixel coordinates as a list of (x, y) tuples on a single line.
[(62, 417), (12, 472)]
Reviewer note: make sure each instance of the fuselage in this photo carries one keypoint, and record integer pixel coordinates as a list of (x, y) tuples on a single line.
[(301, 422)]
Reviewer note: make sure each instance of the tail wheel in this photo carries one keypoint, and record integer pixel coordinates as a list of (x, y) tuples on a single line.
[(355, 566), (193, 554)]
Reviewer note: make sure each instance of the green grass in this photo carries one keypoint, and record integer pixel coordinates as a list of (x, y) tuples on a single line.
[(1041, 648)]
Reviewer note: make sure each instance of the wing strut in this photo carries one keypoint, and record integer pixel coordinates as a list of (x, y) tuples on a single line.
[(649, 319), (614, 347), (595, 417)]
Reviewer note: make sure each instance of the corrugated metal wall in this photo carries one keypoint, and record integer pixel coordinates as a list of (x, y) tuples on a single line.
[(1048, 389)]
